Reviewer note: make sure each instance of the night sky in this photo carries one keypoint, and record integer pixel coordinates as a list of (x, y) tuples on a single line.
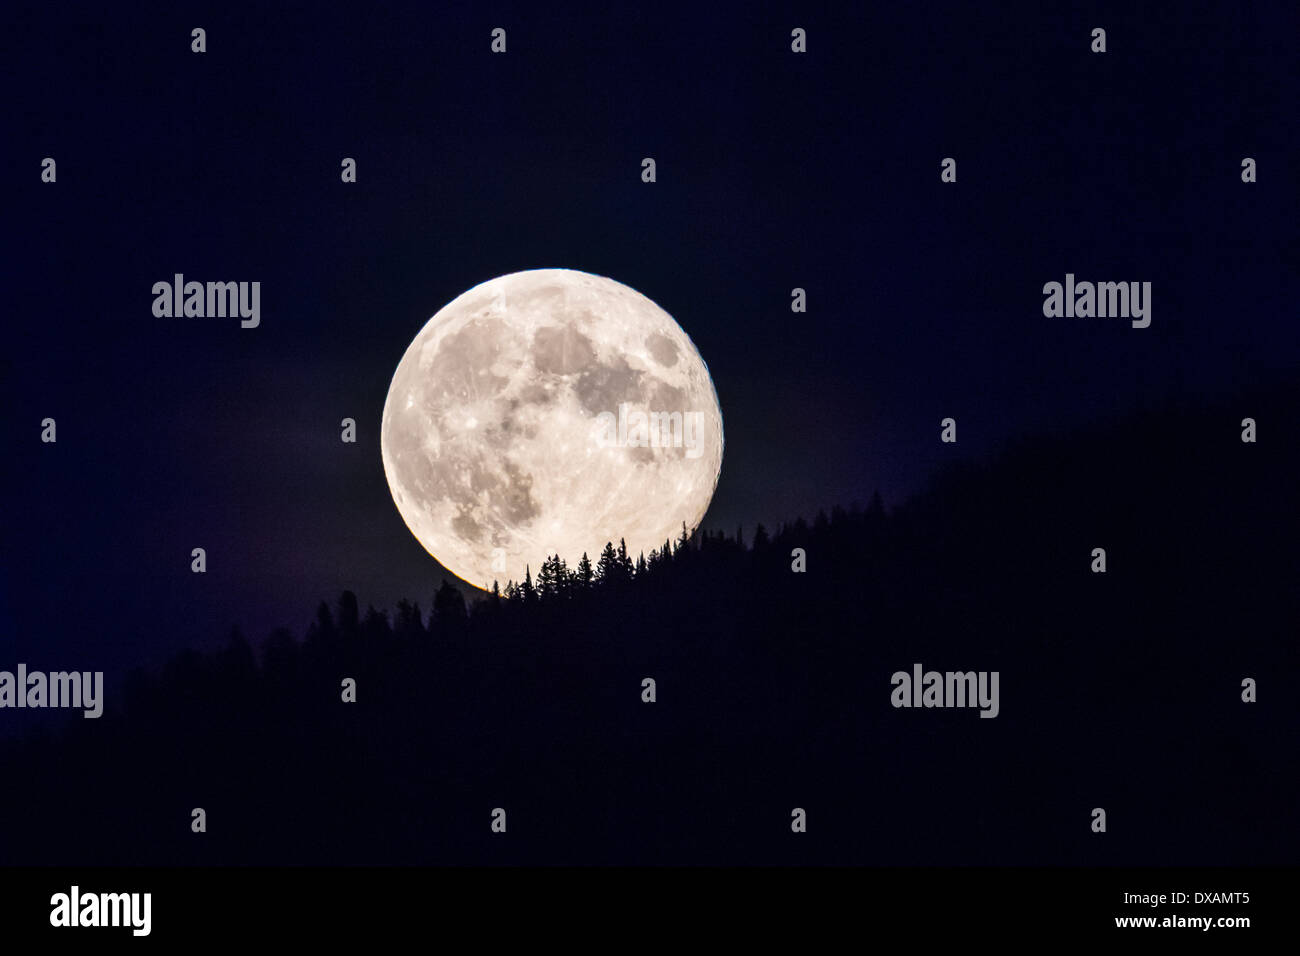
[(775, 171)]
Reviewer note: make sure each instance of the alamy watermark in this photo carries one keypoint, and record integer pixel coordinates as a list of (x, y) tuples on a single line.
[(1085, 300), (82, 689), (635, 428), (220, 299), (75, 908), (947, 689)]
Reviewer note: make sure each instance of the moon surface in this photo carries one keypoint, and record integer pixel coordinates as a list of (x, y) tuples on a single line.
[(548, 412)]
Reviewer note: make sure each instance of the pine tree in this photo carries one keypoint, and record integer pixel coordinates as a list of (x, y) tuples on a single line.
[(409, 624), (449, 608), (546, 585), (563, 578), (583, 576), (349, 616), (375, 627), (323, 629), (607, 566)]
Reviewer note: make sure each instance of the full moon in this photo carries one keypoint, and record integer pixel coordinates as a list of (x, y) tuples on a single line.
[(548, 412)]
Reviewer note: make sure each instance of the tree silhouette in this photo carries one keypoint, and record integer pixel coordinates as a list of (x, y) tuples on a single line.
[(408, 625), (449, 608), (349, 616), (765, 677), (584, 574), (608, 570)]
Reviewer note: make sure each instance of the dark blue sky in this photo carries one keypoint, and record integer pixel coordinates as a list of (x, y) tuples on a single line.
[(774, 171)]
